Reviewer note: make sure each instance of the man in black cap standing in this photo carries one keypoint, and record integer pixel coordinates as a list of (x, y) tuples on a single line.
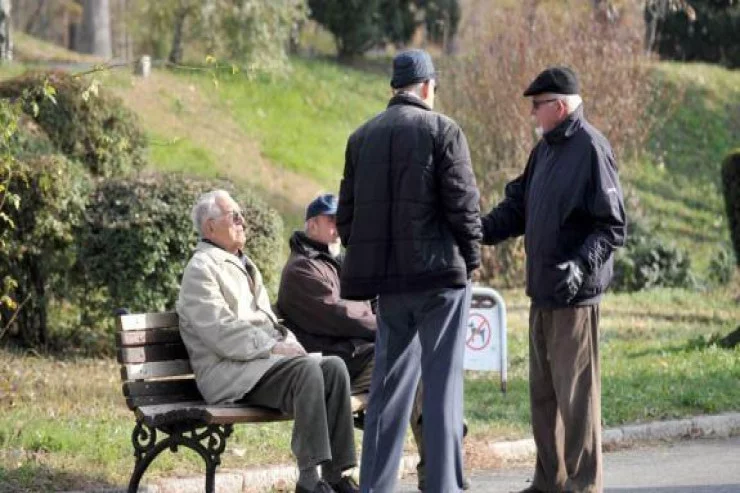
[(409, 218), (568, 205)]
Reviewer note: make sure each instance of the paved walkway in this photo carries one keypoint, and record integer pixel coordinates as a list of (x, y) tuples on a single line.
[(685, 466)]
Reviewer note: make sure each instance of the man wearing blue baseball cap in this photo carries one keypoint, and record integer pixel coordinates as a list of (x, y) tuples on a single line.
[(409, 217)]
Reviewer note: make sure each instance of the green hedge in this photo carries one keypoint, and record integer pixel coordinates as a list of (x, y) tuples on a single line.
[(83, 121), (138, 235), (648, 262), (713, 36), (38, 252), (731, 189)]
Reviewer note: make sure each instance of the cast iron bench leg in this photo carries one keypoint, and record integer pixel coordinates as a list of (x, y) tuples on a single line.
[(146, 448)]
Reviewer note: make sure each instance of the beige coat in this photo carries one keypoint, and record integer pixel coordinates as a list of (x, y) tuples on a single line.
[(228, 327)]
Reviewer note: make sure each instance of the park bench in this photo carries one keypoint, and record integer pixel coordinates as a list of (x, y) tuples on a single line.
[(160, 389)]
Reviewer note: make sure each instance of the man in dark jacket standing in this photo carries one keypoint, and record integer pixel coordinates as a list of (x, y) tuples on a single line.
[(409, 218), (568, 205)]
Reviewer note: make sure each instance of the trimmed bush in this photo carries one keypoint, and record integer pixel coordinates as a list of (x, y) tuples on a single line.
[(648, 262), (138, 236), (731, 190), (713, 36), (38, 252), (83, 121)]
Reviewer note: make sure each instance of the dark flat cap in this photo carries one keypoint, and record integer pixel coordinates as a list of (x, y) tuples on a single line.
[(554, 80), (410, 67)]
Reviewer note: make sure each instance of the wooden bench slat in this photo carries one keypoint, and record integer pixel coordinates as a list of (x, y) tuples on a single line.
[(161, 387), (151, 336), (144, 371), (145, 321), (223, 414), (153, 400), (152, 353), (227, 415)]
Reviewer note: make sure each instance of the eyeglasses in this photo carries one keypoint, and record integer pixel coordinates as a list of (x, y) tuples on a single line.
[(237, 217), (536, 104)]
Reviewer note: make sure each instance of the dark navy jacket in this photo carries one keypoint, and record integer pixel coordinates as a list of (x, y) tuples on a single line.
[(568, 204)]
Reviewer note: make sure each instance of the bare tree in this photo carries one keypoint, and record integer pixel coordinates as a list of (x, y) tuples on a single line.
[(6, 40), (95, 35)]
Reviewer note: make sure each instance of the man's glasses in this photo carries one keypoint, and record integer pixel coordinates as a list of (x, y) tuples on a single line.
[(536, 104), (237, 216)]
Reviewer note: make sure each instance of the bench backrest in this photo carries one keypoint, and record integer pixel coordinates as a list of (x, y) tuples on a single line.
[(154, 361)]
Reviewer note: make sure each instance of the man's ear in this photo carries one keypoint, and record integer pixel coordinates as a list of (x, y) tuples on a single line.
[(425, 88)]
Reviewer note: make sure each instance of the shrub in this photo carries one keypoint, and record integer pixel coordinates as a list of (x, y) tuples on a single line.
[(721, 266), (711, 34), (731, 190), (39, 249), (505, 48), (648, 262), (137, 238), (81, 120)]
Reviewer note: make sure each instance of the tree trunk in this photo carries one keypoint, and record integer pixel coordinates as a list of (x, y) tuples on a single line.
[(176, 52), (95, 34), (6, 40)]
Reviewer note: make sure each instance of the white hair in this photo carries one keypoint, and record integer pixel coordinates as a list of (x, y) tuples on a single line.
[(207, 207), (414, 89), (572, 101)]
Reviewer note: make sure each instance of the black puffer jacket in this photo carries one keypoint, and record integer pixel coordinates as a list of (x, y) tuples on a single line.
[(568, 204), (408, 205)]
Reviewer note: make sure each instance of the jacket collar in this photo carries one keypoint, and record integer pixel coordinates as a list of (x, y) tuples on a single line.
[(566, 129), (409, 100), (301, 244), (221, 255)]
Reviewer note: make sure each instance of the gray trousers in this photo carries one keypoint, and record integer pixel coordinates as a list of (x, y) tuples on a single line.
[(565, 394), (316, 392), (361, 383), (420, 334)]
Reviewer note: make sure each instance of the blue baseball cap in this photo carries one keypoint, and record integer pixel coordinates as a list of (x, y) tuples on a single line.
[(322, 205)]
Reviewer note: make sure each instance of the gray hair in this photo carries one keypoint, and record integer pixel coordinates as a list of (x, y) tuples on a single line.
[(206, 207), (414, 89)]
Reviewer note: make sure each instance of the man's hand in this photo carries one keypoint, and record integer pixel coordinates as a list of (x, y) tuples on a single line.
[(567, 289), (288, 349)]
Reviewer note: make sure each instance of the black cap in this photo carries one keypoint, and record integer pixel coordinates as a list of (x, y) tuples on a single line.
[(410, 67), (554, 80)]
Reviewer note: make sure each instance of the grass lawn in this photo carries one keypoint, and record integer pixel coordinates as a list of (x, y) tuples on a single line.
[(63, 423), (677, 182)]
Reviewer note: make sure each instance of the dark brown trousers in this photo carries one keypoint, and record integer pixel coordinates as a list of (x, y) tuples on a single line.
[(565, 396)]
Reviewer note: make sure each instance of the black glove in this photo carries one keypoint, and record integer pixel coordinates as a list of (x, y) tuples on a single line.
[(568, 287)]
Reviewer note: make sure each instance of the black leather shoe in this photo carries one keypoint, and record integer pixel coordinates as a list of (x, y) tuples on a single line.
[(321, 487), (346, 485)]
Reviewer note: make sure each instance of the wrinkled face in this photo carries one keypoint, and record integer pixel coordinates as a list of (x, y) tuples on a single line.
[(323, 229), (227, 228), (547, 112)]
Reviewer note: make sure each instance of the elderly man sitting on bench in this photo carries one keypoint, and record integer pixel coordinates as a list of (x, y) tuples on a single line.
[(240, 353)]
